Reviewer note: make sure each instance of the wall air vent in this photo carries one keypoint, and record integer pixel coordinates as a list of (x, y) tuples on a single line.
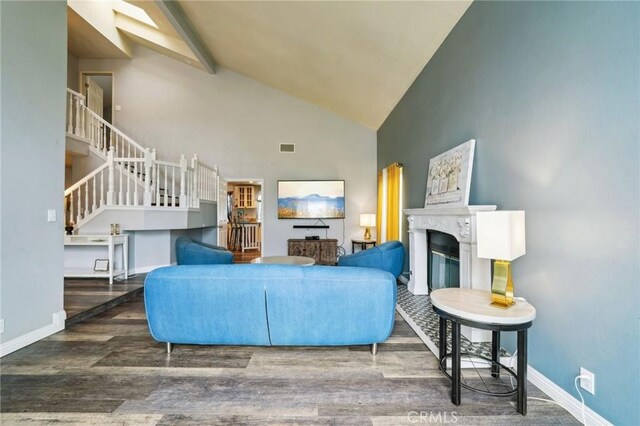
[(288, 147)]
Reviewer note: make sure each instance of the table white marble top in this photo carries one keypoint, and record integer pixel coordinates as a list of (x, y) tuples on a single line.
[(285, 260), (475, 305)]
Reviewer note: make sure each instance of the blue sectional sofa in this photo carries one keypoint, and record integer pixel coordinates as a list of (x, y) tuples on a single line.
[(265, 305), (388, 256), (190, 252)]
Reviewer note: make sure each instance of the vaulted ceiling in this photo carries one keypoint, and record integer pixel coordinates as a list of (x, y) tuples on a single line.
[(356, 59)]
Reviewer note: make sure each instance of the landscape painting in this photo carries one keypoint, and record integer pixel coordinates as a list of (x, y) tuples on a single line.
[(322, 199)]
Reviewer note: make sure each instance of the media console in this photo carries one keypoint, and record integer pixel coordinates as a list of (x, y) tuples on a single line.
[(324, 251)]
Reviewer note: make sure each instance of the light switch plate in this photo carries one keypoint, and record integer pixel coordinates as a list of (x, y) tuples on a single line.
[(1, 325), (51, 216), (117, 107)]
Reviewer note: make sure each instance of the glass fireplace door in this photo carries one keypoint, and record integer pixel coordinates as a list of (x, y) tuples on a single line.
[(444, 261)]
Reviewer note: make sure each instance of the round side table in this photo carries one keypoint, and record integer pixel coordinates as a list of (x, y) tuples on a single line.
[(472, 308), (362, 243)]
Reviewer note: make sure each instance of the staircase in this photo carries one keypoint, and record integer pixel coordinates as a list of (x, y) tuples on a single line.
[(132, 185)]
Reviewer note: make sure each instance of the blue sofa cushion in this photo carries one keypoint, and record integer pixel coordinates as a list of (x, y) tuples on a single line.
[(190, 252), (205, 304), (388, 256), (326, 306)]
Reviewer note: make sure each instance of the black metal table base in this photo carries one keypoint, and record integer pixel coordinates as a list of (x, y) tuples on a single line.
[(455, 355), (510, 392)]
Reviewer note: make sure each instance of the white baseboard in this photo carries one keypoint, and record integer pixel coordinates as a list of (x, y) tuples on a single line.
[(147, 269), (404, 280), (57, 324), (565, 399)]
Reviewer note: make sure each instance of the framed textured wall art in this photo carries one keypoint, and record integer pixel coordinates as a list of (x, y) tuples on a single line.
[(449, 178)]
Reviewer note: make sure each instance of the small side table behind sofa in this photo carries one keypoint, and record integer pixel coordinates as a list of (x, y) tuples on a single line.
[(388, 256), (472, 308)]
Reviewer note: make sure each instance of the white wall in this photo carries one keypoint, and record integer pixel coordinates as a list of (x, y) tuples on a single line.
[(72, 72), (238, 123), (33, 78)]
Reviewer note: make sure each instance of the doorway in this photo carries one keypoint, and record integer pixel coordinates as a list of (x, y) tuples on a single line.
[(97, 87), (245, 218)]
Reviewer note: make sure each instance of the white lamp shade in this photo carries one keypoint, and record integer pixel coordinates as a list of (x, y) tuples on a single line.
[(500, 234), (368, 220)]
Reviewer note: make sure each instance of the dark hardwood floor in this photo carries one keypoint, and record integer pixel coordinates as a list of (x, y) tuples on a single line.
[(108, 370), (87, 297), (246, 257)]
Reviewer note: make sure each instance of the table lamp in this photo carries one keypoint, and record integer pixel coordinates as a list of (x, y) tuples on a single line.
[(501, 237), (367, 220)]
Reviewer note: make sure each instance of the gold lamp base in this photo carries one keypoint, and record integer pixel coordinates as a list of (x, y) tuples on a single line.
[(502, 286), (367, 233)]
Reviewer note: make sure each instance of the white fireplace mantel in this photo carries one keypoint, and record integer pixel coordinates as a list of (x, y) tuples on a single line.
[(460, 222)]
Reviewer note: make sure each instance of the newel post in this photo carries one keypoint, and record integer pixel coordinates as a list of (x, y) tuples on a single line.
[(148, 160), (183, 181), (196, 171), (111, 180)]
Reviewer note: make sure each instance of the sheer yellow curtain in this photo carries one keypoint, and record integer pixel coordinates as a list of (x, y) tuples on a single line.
[(389, 203), (380, 207)]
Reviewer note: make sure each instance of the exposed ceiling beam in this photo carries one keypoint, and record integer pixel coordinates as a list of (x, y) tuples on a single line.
[(181, 24), (157, 40)]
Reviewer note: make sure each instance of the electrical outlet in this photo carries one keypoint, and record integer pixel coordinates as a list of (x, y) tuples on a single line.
[(51, 215), (588, 381), (1, 325)]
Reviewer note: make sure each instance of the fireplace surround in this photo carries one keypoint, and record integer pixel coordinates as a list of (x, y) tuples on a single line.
[(460, 222)]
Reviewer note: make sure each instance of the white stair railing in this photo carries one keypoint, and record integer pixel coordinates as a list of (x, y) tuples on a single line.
[(171, 184), (86, 196), (100, 134), (207, 181), (131, 174)]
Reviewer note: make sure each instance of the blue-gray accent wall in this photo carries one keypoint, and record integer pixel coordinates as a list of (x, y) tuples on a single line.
[(551, 92)]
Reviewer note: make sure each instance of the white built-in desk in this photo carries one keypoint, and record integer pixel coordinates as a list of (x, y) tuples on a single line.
[(109, 241)]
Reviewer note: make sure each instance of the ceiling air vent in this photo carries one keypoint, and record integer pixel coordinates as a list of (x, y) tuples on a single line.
[(288, 147)]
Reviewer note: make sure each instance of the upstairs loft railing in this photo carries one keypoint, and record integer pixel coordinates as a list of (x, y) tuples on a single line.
[(131, 174), (96, 131)]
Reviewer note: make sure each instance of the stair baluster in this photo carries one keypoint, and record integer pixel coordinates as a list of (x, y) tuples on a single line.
[(79, 207), (147, 177), (120, 192), (79, 123), (94, 206), (110, 187), (194, 191), (71, 218), (127, 174), (70, 114), (173, 187), (135, 188), (183, 178), (156, 182), (102, 185)]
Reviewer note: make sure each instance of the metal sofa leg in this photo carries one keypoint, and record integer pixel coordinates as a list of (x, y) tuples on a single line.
[(374, 349), (169, 347)]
